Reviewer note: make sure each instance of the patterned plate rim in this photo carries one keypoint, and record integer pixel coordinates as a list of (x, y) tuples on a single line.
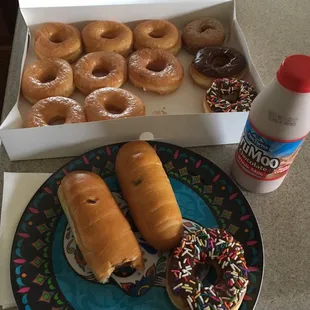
[(152, 143)]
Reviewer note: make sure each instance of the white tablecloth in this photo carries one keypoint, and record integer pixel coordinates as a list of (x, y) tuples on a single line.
[(18, 189)]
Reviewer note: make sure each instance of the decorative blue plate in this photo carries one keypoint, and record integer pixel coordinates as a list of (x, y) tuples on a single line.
[(49, 272)]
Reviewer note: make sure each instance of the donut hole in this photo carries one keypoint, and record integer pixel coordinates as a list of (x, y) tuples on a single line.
[(109, 34), (57, 120), (220, 61), (47, 78), (157, 33), (100, 72), (157, 65), (208, 275), (228, 93), (57, 37), (232, 98), (114, 104), (112, 108), (203, 28)]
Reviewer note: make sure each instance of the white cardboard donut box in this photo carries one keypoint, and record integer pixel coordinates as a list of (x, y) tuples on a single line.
[(176, 118)]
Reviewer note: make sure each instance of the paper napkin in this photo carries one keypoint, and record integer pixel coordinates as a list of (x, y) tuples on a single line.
[(18, 189)]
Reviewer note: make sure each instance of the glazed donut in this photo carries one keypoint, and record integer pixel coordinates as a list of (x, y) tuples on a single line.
[(229, 95), (155, 70), (212, 63), (201, 33), (158, 34), (47, 78), (112, 103), (209, 247), (107, 36), (111, 64), (58, 40), (54, 109)]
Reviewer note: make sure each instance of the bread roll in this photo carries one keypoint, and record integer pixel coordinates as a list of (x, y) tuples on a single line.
[(101, 231), (149, 195)]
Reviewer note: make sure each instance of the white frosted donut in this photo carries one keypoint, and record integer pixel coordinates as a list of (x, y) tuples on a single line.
[(155, 70), (158, 34), (113, 64), (47, 78), (112, 103), (107, 36), (58, 40), (51, 109)]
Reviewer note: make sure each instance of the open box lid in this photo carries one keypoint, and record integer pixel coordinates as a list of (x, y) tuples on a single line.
[(72, 11), (70, 3)]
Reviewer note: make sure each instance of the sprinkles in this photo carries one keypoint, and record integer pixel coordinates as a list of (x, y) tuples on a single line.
[(230, 95), (203, 247)]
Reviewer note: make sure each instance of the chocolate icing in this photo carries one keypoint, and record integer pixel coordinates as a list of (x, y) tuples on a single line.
[(219, 62), (206, 247), (230, 95)]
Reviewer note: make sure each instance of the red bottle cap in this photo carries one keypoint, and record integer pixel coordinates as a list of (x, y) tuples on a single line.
[(294, 73)]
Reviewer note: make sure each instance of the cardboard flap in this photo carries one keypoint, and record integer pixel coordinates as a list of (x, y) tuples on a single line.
[(127, 11), (74, 11), (69, 3)]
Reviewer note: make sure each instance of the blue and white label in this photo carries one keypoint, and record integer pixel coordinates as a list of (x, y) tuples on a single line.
[(265, 158)]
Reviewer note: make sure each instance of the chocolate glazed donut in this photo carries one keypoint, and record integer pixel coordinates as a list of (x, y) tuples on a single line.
[(216, 62)]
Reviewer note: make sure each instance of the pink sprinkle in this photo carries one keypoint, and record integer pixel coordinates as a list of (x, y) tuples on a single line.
[(253, 268), (215, 298), (212, 233)]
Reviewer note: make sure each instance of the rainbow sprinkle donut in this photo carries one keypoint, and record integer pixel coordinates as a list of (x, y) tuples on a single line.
[(229, 95), (207, 247)]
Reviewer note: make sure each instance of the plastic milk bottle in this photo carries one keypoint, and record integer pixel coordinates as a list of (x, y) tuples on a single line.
[(278, 123)]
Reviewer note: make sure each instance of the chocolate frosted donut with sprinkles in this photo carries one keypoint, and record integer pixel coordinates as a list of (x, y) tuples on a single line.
[(229, 95), (207, 247)]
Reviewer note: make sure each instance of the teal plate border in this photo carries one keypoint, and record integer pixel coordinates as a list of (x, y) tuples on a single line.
[(48, 271)]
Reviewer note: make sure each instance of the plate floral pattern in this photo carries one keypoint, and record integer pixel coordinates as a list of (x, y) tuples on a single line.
[(49, 272)]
